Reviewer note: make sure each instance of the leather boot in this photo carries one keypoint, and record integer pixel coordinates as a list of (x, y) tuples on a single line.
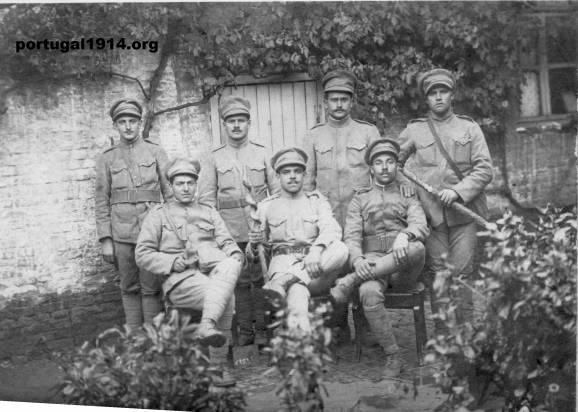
[(218, 357), (275, 291), (244, 309), (151, 307), (132, 305), (207, 334), (379, 324)]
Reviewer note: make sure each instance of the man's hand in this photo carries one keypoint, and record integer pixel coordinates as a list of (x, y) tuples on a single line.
[(448, 196), (107, 247), (238, 256), (400, 248), (179, 265), (407, 189), (312, 262), (363, 269), (256, 237)]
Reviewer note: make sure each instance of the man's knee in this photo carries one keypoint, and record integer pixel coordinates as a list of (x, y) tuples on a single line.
[(371, 293), (416, 252), (334, 257)]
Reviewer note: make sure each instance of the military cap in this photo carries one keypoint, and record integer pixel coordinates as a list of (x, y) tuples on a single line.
[(125, 107), (339, 81), (289, 156), (435, 77), (381, 146), (183, 166), (232, 105)]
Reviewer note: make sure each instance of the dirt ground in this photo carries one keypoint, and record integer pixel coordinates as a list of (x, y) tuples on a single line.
[(351, 385)]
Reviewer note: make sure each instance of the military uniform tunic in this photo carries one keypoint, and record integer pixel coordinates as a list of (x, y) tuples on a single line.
[(336, 165), (129, 180), (299, 224), (221, 183), (377, 215), (195, 232), (464, 141)]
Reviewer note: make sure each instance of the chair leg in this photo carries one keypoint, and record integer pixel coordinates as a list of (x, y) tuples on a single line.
[(420, 330)]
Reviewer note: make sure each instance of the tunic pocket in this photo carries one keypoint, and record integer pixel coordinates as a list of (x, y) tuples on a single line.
[(311, 227), (225, 177), (462, 150), (148, 172), (256, 174), (324, 157), (277, 229), (119, 176), (356, 153), (426, 153)]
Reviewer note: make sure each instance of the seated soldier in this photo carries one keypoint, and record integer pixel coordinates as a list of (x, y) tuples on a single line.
[(304, 237), (188, 244), (384, 232)]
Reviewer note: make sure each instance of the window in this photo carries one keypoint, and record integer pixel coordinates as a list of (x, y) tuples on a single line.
[(551, 68)]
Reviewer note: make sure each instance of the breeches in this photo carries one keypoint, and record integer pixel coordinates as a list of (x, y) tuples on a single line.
[(132, 279), (458, 242), (333, 259)]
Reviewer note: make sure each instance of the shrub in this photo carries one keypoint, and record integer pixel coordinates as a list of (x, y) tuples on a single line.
[(301, 358), (160, 367), (524, 344)]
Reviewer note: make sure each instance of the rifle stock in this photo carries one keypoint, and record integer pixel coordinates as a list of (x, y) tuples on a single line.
[(458, 207)]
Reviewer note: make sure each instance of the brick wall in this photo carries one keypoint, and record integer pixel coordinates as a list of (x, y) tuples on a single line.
[(53, 283)]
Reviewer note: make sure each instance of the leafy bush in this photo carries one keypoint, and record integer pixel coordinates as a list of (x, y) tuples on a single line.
[(160, 367), (524, 344), (301, 358)]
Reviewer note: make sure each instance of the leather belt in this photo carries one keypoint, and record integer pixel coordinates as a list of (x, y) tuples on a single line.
[(231, 204), (379, 243), (135, 196), (289, 250)]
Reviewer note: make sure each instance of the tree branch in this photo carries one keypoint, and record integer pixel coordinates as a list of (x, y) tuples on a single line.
[(124, 76), (183, 106)]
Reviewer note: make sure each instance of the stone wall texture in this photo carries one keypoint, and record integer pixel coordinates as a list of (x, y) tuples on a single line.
[(55, 291)]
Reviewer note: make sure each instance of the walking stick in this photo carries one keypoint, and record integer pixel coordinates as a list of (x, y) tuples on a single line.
[(458, 207), (256, 224)]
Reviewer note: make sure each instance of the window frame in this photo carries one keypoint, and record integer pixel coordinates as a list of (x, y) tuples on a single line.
[(543, 67)]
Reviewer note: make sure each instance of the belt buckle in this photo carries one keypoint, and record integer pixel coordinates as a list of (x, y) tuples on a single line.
[(131, 196)]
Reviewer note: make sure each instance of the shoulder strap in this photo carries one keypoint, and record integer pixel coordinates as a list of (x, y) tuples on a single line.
[(445, 154)]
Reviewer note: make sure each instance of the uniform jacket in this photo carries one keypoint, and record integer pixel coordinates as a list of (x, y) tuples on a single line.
[(336, 165), (381, 211), (130, 178), (221, 183), (194, 231), (465, 143), (306, 221)]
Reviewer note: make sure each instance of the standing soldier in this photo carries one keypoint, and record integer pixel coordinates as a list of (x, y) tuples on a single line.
[(450, 153), (186, 244), (129, 180), (384, 232), (238, 168), (304, 237), (336, 148)]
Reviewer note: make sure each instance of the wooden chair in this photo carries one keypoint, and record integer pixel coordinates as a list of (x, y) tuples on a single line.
[(413, 299)]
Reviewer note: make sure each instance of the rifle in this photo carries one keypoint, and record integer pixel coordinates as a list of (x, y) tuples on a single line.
[(255, 223), (458, 207)]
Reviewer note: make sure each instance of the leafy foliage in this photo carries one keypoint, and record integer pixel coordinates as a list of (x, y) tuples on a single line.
[(301, 357), (385, 44), (525, 342), (161, 367)]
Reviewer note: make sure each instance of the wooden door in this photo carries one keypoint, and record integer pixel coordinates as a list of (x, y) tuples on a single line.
[(283, 108)]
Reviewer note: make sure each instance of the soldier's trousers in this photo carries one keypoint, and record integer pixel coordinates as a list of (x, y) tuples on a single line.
[(249, 302), (372, 292), (140, 289), (459, 243), (212, 294)]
